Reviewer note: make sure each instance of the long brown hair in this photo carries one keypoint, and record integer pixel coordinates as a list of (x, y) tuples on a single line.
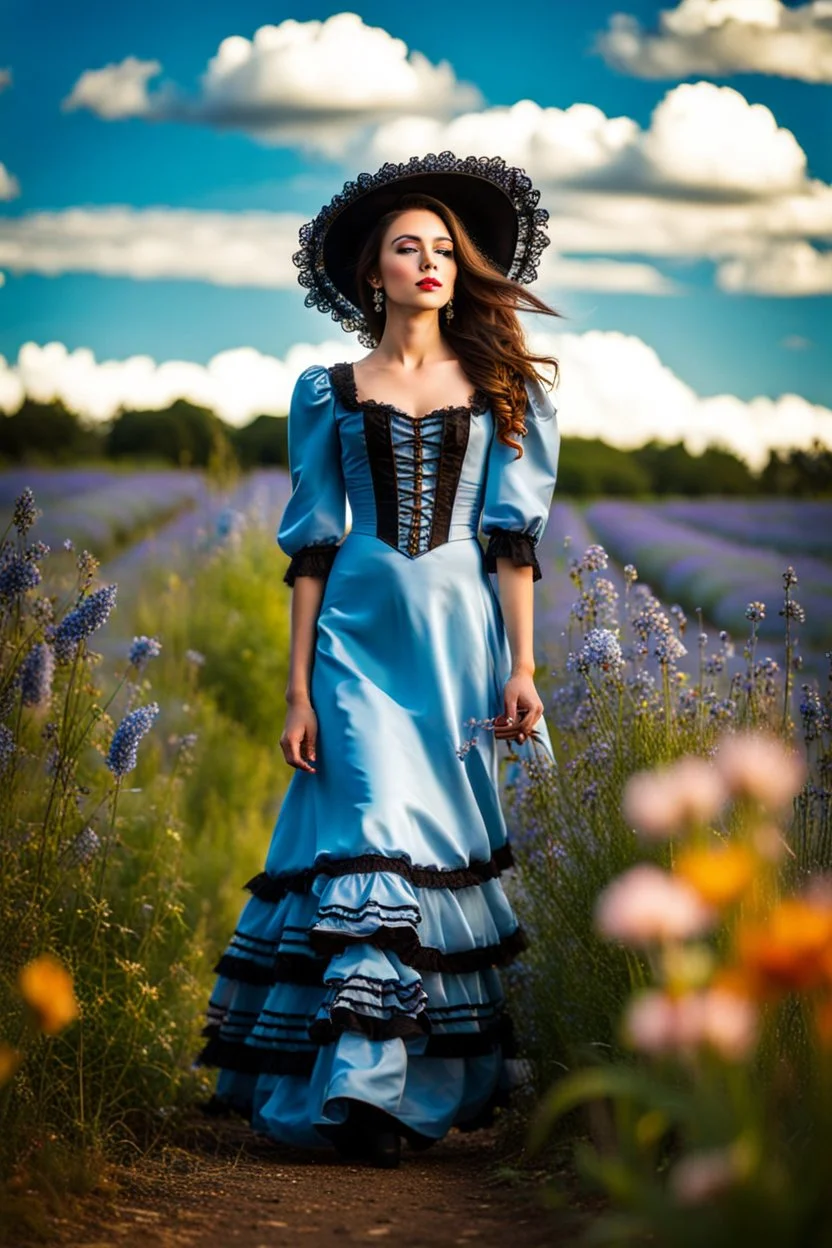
[(485, 332)]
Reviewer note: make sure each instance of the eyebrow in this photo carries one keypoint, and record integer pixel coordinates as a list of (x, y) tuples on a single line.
[(439, 238)]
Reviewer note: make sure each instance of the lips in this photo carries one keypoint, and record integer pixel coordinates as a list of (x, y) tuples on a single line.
[(429, 284)]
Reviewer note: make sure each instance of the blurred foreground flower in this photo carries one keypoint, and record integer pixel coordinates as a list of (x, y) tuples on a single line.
[(9, 1062), (647, 906), (46, 986)]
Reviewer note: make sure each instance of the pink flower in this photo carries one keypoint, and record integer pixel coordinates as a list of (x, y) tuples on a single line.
[(647, 905), (660, 1025), (661, 802), (703, 1176), (760, 767)]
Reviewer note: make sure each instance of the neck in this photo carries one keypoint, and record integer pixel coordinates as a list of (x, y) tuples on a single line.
[(412, 337)]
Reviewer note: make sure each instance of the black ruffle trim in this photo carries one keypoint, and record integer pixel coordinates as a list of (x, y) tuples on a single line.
[(268, 887), (518, 547), (314, 560), (341, 1019), (250, 1060), (298, 968), (404, 941)]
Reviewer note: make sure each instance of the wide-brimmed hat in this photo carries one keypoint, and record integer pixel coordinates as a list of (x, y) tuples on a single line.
[(496, 202)]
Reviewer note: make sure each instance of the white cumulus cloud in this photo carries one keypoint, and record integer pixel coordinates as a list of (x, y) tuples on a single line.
[(721, 37), (793, 268), (613, 386), (227, 249), (9, 185), (314, 84), (703, 143)]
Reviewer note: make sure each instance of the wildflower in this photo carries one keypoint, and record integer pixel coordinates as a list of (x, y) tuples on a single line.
[(82, 849), (36, 675), (793, 611), (46, 987), (17, 576), (80, 623), (679, 616), (755, 611), (68, 543), (792, 951), (143, 650), (664, 800), (701, 1177), (594, 559), (760, 767), (600, 649), (720, 875), (123, 754), (230, 523), (715, 1019), (7, 747), (789, 578), (647, 905), (25, 511), (194, 656), (668, 649), (630, 573)]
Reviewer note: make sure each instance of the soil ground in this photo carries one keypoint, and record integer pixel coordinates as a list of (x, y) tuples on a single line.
[(227, 1187)]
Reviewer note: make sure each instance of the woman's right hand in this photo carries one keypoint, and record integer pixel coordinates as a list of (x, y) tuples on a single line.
[(300, 735)]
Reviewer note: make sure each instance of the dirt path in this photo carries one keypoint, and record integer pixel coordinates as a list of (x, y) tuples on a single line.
[(230, 1187)]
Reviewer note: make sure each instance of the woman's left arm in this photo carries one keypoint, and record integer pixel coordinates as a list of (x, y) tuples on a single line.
[(518, 497), (523, 706)]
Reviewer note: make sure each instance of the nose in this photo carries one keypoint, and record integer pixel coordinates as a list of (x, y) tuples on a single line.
[(429, 262)]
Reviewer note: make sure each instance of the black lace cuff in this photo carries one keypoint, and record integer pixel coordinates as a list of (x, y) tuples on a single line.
[(518, 547), (313, 560)]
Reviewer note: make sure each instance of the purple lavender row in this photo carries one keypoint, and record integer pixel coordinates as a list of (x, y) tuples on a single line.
[(52, 483), (795, 528), (703, 570), (107, 515)]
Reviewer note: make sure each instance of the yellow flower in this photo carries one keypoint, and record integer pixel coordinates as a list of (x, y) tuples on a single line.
[(46, 987), (719, 875), (9, 1062)]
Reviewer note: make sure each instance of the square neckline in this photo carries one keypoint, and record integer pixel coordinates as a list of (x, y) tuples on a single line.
[(343, 376)]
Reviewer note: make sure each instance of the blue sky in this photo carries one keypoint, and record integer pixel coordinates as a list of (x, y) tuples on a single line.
[(719, 332)]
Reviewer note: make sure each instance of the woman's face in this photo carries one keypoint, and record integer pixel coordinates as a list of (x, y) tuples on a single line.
[(415, 246)]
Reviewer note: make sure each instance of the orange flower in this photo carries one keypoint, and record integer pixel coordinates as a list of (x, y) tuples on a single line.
[(46, 987), (720, 875), (791, 951), (9, 1062)]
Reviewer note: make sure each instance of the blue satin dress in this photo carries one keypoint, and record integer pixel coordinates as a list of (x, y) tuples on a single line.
[(365, 963)]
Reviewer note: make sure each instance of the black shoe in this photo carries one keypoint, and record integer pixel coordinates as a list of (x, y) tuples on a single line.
[(385, 1149)]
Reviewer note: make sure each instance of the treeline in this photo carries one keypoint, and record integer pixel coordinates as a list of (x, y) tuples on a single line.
[(190, 436)]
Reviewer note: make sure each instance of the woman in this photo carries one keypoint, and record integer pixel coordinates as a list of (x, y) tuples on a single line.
[(359, 1001)]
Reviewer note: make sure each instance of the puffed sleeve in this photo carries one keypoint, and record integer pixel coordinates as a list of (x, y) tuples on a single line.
[(518, 492), (315, 517)]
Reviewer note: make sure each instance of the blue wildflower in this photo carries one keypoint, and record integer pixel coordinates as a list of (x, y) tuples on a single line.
[(7, 746), (668, 648), (93, 612), (594, 559), (37, 671), (82, 849), (755, 611), (143, 650), (230, 523), (124, 749), (17, 575), (25, 512), (601, 649)]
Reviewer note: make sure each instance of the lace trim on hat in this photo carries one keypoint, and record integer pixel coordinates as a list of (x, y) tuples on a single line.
[(531, 238)]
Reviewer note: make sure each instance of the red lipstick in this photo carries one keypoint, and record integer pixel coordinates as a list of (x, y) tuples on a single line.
[(428, 283)]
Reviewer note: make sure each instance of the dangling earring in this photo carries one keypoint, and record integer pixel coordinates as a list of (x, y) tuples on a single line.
[(378, 298), (449, 310)]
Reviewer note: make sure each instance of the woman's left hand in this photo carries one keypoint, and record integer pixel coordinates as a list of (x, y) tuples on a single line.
[(523, 708)]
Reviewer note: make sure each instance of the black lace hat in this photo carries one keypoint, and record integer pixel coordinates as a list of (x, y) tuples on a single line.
[(496, 202)]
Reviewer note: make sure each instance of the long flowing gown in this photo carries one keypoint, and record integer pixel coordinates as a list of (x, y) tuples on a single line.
[(365, 963)]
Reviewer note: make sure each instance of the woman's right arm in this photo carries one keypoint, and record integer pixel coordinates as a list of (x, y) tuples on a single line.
[(313, 522)]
